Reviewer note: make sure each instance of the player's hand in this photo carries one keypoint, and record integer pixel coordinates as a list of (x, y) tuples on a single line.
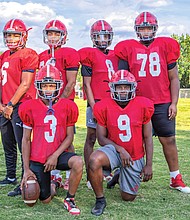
[(25, 177), (51, 163), (146, 173), (125, 158), (2, 107), (172, 111), (7, 112)]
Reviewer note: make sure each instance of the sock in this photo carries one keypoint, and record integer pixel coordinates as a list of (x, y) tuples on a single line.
[(173, 174), (70, 196), (68, 174), (101, 199)]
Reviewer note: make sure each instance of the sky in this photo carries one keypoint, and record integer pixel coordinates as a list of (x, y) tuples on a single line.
[(78, 16)]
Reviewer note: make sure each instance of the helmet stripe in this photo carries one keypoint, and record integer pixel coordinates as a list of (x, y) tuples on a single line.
[(54, 22), (145, 17), (48, 70), (12, 23), (103, 27)]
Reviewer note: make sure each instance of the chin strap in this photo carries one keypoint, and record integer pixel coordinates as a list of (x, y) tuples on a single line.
[(50, 110)]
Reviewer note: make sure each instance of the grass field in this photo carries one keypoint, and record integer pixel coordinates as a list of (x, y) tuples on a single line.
[(154, 201)]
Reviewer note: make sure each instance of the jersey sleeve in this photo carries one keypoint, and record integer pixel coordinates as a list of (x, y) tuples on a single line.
[(99, 112), (72, 113), (173, 50), (86, 57), (148, 110), (120, 50), (30, 60), (72, 59), (25, 114)]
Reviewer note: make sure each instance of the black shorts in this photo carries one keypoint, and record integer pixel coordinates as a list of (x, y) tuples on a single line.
[(44, 179), (163, 127)]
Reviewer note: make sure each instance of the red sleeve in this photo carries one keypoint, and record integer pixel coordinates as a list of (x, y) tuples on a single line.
[(26, 114), (173, 50), (99, 112), (72, 58), (30, 60), (72, 113), (148, 110), (120, 50), (86, 56)]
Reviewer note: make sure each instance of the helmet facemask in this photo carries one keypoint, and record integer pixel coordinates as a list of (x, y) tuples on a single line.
[(147, 35), (54, 41), (123, 95), (12, 42), (102, 39)]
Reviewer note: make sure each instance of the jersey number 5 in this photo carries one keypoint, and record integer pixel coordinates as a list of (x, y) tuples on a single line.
[(153, 61)]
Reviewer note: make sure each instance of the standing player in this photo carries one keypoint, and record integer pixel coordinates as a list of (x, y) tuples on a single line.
[(124, 130), (51, 121), (98, 65), (153, 61), (18, 66), (67, 61)]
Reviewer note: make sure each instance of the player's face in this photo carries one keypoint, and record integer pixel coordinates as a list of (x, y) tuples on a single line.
[(122, 90), (145, 32), (53, 37), (48, 88), (13, 39)]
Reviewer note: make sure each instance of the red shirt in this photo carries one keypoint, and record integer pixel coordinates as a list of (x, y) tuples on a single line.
[(124, 125), (149, 65), (103, 66), (12, 67), (66, 58), (49, 131)]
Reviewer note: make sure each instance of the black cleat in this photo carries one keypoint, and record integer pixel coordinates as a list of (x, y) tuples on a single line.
[(115, 180), (99, 207), (7, 181), (15, 192)]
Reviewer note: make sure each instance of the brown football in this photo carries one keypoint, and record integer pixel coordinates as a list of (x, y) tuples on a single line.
[(31, 193)]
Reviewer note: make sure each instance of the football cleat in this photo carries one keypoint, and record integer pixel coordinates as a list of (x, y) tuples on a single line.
[(70, 206), (178, 184)]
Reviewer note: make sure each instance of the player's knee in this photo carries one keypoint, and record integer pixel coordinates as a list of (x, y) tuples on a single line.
[(77, 163), (95, 160), (46, 201), (127, 197)]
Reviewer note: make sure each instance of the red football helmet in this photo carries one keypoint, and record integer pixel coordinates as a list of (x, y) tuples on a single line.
[(146, 20), (15, 26), (123, 77), (101, 34), (48, 75), (55, 26)]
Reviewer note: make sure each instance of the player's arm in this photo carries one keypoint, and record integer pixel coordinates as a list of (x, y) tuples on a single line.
[(26, 145), (174, 89), (26, 81), (51, 162), (148, 143), (71, 76), (103, 140)]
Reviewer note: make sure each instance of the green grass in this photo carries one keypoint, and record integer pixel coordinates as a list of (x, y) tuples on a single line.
[(154, 201)]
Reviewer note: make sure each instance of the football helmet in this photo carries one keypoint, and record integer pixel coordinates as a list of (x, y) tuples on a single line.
[(101, 34), (15, 26), (56, 26), (48, 74), (123, 77), (146, 20)]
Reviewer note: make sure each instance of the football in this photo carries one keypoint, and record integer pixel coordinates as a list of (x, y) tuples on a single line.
[(31, 193)]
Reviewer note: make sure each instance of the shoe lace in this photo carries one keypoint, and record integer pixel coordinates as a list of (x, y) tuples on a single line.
[(71, 203)]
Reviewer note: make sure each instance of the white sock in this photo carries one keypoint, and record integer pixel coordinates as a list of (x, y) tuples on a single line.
[(68, 174), (55, 172), (173, 174)]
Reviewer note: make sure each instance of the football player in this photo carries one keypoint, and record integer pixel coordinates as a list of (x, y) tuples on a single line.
[(66, 59), (124, 130), (153, 61), (18, 67), (51, 120), (98, 65)]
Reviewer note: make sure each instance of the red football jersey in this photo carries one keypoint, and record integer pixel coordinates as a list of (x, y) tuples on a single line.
[(103, 66), (49, 130), (124, 125), (12, 67), (149, 65), (66, 58)]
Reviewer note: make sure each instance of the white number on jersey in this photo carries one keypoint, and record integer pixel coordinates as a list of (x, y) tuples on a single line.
[(4, 72), (52, 121), (124, 125), (154, 64), (110, 68)]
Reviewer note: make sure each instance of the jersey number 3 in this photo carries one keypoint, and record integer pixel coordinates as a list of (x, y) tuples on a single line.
[(52, 121)]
